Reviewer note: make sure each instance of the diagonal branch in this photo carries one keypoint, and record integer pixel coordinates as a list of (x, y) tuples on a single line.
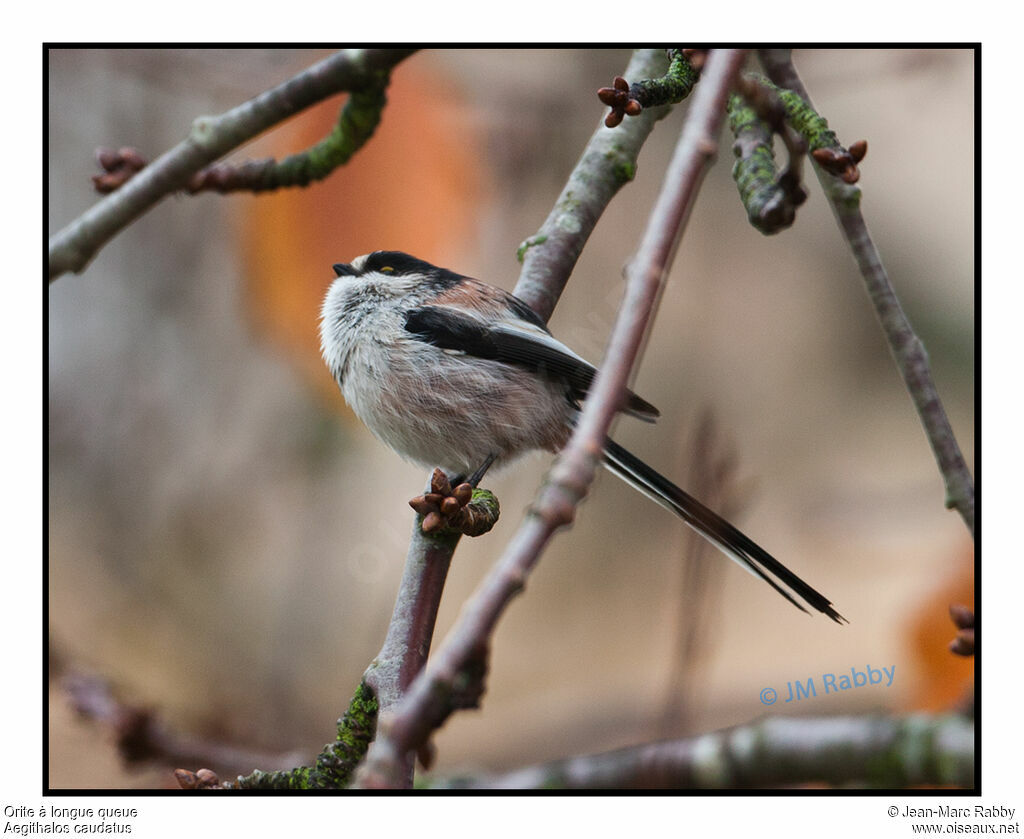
[(608, 163), (72, 248), (454, 677), (907, 349)]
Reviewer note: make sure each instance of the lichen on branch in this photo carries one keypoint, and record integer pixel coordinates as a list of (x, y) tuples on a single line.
[(822, 142), (356, 124), (627, 99), (769, 197)]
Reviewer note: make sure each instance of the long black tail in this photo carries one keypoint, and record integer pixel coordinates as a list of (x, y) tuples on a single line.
[(715, 529)]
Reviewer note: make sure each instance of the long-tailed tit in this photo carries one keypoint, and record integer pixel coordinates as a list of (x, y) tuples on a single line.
[(453, 373)]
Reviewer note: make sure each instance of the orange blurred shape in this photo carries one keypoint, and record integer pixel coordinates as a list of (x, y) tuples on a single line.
[(415, 186), (946, 680)]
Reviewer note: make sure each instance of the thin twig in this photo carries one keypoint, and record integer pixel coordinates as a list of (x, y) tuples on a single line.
[(907, 349), (879, 751), (454, 676), (608, 163), (72, 248)]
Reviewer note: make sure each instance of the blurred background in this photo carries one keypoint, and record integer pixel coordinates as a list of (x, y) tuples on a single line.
[(212, 551)]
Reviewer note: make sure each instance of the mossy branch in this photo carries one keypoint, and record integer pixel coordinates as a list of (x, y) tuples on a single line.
[(356, 123), (333, 767), (674, 86), (822, 142), (769, 197), (760, 109)]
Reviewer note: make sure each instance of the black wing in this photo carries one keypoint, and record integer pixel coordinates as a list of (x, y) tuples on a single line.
[(533, 348)]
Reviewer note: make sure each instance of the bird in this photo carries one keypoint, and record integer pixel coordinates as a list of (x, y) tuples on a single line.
[(455, 373)]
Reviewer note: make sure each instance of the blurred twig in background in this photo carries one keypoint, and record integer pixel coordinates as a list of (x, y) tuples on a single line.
[(711, 473)]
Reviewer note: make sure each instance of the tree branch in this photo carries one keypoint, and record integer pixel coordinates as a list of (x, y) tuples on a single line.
[(608, 163), (72, 248), (411, 629), (356, 123), (770, 197), (876, 751), (907, 349), (454, 677)]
